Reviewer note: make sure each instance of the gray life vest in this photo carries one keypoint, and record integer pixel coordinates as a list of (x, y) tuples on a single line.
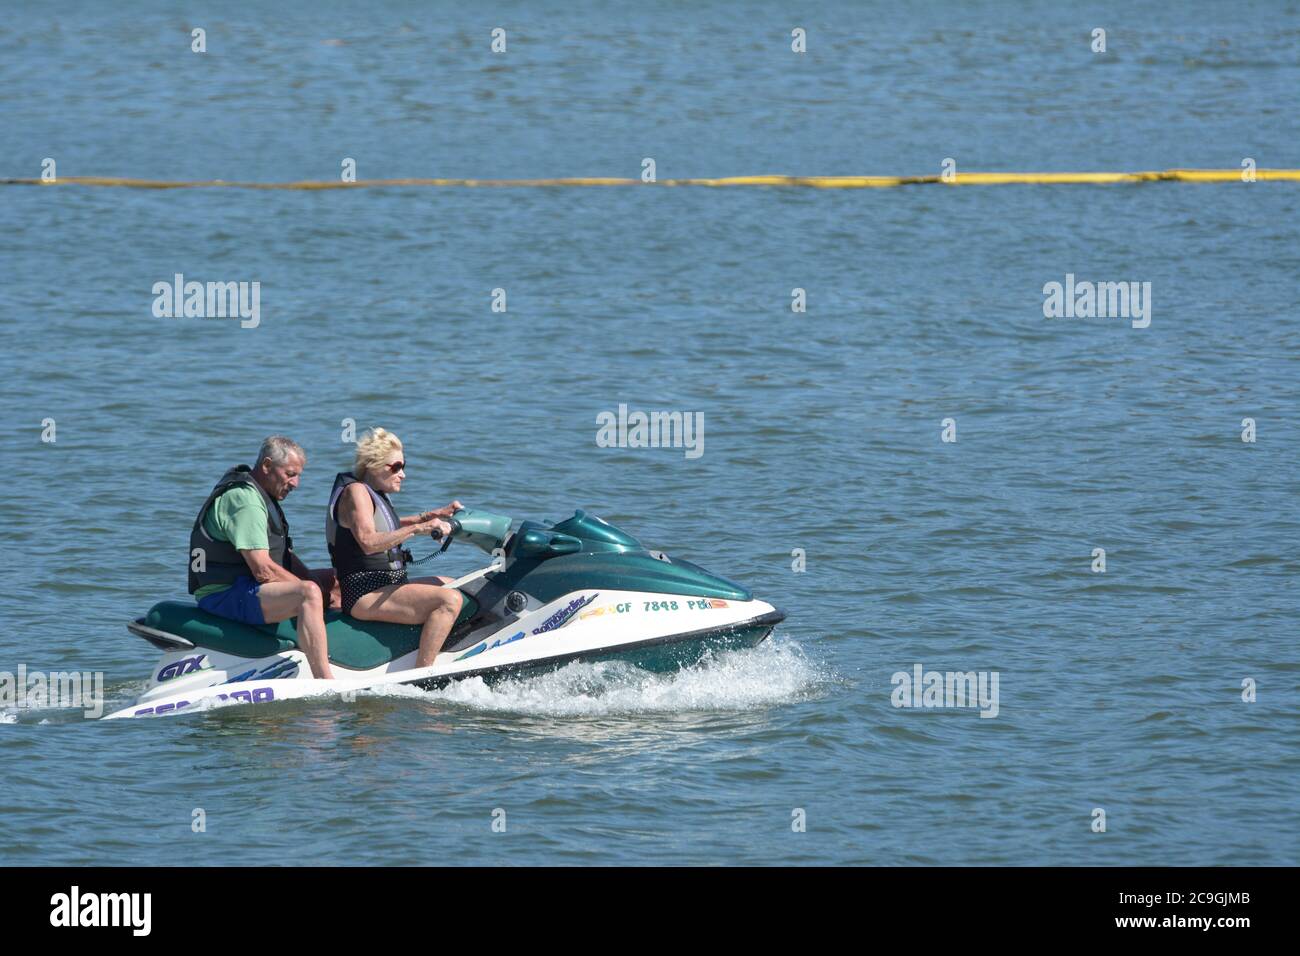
[(345, 553), (223, 563)]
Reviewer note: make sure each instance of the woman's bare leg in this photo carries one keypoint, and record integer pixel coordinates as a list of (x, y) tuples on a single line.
[(433, 607)]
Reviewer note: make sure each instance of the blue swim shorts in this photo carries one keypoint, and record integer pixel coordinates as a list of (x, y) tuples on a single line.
[(238, 602)]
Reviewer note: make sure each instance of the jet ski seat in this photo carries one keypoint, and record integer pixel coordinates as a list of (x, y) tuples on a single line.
[(353, 643)]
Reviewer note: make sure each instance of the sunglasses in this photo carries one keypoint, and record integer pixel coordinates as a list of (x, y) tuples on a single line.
[(396, 466)]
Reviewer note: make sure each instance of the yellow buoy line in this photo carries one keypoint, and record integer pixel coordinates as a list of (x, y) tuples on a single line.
[(816, 182)]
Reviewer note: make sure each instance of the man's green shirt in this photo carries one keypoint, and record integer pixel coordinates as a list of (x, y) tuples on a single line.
[(238, 516)]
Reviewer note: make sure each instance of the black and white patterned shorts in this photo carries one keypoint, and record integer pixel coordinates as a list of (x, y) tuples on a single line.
[(363, 582)]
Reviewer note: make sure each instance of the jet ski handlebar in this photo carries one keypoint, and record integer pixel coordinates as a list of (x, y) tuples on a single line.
[(483, 529), (436, 534)]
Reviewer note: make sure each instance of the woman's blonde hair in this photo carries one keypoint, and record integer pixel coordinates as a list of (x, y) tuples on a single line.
[(373, 448)]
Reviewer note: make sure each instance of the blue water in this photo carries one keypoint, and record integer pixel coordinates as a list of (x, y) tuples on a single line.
[(1119, 691)]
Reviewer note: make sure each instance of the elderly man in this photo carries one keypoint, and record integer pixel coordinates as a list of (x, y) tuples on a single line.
[(242, 564)]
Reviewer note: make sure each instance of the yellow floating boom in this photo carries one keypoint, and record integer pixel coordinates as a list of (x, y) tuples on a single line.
[(817, 182)]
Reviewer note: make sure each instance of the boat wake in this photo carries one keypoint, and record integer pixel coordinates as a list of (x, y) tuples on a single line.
[(775, 672)]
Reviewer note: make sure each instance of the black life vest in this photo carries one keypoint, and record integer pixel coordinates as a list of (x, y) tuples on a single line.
[(223, 563), (345, 554)]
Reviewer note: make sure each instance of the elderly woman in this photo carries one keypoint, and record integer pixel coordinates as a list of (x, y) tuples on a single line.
[(365, 540)]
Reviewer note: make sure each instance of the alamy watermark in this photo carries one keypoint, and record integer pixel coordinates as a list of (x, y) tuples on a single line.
[(925, 689), (37, 690), (75, 908), (651, 430), (208, 300), (1098, 300)]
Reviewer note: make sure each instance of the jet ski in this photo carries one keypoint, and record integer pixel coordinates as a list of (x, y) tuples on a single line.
[(579, 590)]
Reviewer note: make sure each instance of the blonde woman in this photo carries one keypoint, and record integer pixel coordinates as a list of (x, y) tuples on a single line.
[(366, 536)]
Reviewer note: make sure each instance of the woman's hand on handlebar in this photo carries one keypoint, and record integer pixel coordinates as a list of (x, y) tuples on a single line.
[(437, 525), (445, 512)]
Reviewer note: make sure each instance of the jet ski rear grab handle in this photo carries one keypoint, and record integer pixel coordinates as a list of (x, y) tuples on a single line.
[(159, 639)]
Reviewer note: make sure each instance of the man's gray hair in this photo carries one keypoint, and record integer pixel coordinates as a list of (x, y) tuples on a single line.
[(278, 450)]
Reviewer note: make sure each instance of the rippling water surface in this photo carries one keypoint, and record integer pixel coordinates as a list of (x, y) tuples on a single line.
[(1120, 691)]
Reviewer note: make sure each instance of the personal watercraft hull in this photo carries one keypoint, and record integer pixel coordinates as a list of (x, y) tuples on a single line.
[(192, 672)]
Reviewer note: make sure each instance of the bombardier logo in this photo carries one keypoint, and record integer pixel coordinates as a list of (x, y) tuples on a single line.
[(561, 617)]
